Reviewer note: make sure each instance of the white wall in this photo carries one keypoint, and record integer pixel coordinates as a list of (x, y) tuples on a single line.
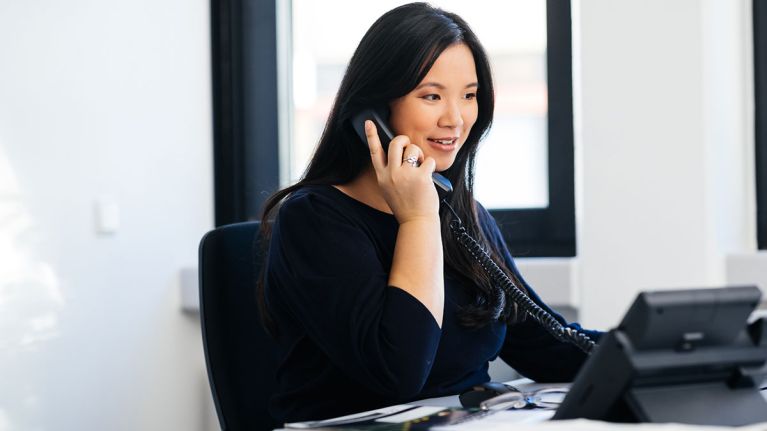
[(664, 147), (102, 99)]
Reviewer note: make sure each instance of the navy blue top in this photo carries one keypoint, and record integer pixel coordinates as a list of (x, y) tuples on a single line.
[(351, 342)]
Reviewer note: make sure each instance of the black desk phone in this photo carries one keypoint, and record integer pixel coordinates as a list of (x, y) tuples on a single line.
[(684, 356), (380, 117)]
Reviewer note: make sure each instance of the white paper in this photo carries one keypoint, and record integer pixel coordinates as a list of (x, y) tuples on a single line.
[(411, 414), (356, 417), (502, 420)]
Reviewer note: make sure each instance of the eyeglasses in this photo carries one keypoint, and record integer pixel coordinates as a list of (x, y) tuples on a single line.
[(547, 398)]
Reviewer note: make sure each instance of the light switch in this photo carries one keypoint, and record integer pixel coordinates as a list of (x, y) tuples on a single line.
[(107, 215), (190, 290)]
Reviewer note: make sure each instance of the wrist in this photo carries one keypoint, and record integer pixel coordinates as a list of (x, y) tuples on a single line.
[(430, 220)]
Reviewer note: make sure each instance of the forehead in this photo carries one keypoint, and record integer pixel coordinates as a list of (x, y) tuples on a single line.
[(454, 65)]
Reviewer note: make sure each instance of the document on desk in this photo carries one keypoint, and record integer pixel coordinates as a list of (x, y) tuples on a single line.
[(370, 419), (413, 418)]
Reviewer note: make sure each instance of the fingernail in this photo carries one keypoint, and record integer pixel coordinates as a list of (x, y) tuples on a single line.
[(368, 125)]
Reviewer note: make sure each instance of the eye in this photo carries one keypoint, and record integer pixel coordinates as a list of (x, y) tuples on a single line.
[(431, 97), (470, 96)]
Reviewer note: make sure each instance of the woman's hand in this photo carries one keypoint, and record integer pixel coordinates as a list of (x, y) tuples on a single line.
[(404, 177), (417, 264)]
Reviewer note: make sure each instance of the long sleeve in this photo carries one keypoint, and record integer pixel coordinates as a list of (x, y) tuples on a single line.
[(327, 272), (528, 347)]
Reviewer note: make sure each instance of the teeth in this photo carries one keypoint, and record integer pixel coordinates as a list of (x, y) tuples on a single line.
[(443, 141)]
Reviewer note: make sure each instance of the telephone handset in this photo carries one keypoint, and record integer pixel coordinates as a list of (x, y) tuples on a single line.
[(380, 117)]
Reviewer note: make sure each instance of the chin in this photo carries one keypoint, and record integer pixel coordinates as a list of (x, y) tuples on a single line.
[(443, 166)]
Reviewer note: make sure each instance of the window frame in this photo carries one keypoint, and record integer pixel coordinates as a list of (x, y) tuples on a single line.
[(550, 232), (760, 118), (246, 136), (245, 111)]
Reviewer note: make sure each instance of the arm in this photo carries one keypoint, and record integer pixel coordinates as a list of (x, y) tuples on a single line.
[(417, 264), (326, 271), (417, 267)]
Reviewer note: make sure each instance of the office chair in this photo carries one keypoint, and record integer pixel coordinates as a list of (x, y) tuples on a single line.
[(241, 358)]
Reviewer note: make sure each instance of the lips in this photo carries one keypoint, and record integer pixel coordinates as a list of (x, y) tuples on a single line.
[(446, 145), (443, 141)]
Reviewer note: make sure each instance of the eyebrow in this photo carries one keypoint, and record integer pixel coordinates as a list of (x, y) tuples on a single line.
[(442, 87)]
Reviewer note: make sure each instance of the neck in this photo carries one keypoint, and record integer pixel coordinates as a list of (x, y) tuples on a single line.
[(365, 189)]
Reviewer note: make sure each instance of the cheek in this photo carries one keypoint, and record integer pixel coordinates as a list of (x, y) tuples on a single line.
[(468, 120), (471, 115), (397, 115), (420, 120), (406, 119)]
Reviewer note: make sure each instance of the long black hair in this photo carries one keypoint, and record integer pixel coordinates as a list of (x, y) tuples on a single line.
[(392, 58)]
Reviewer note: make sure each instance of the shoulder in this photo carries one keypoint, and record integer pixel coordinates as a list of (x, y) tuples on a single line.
[(486, 220), (491, 231), (308, 196), (323, 210), (482, 212), (319, 225), (318, 201)]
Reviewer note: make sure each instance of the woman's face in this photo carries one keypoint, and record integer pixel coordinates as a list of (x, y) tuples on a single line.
[(438, 114)]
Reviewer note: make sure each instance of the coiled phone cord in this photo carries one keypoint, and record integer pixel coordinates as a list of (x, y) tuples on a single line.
[(544, 318)]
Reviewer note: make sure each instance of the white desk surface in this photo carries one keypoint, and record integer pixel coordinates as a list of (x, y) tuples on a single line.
[(537, 420)]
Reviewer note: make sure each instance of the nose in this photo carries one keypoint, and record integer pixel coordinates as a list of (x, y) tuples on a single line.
[(451, 117)]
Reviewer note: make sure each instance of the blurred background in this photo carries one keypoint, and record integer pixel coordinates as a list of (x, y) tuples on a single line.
[(128, 129)]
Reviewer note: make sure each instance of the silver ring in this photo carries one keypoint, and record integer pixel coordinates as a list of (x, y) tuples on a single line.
[(411, 160)]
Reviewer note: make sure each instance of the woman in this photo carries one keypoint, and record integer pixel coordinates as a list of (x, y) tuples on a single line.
[(373, 300)]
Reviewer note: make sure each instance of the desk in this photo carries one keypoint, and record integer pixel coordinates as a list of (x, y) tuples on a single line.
[(431, 406), (537, 420), (501, 420)]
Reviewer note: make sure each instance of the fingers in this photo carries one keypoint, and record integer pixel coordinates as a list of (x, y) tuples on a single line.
[(429, 164), (400, 149), (376, 151), (413, 152), (396, 150)]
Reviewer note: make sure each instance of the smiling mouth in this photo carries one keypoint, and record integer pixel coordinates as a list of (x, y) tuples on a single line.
[(449, 141)]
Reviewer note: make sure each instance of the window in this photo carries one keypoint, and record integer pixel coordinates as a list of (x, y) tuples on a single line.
[(760, 91), (524, 167)]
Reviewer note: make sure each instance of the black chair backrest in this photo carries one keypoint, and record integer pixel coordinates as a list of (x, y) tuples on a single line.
[(241, 358)]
